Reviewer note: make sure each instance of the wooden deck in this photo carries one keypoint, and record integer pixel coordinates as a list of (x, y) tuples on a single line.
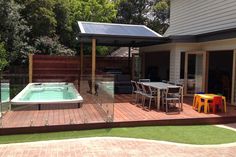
[(125, 114)]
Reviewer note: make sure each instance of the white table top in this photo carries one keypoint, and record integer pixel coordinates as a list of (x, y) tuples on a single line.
[(159, 85)]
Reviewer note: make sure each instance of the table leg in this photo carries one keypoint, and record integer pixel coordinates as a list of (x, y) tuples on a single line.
[(205, 105), (224, 99), (194, 101), (158, 99), (182, 98)]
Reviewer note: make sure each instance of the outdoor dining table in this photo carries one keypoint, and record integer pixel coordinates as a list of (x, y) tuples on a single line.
[(159, 87), (206, 98)]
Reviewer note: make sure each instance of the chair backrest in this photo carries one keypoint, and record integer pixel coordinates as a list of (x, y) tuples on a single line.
[(146, 89), (179, 84), (139, 86), (144, 80), (164, 81), (217, 100), (171, 83), (173, 90), (134, 86)]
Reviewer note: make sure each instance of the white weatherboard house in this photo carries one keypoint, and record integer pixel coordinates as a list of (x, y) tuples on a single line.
[(201, 52)]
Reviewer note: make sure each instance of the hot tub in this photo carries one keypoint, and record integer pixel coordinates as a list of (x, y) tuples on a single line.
[(48, 93)]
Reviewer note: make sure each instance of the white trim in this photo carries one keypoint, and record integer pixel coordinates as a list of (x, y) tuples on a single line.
[(117, 24), (81, 27), (153, 31), (224, 145)]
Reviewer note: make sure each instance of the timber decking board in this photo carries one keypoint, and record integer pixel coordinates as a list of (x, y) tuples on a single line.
[(124, 112)]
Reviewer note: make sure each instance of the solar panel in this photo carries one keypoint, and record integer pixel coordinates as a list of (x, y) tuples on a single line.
[(116, 29)]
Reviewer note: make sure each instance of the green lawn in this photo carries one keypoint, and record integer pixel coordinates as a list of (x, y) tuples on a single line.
[(204, 134)]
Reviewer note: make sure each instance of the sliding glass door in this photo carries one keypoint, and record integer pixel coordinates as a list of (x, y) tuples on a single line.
[(194, 72), (136, 67)]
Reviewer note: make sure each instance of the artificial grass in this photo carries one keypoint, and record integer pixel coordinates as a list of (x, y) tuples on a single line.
[(203, 134)]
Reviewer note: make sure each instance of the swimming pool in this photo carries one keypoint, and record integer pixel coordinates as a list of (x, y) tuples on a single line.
[(47, 93), (108, 86), (5, 95)]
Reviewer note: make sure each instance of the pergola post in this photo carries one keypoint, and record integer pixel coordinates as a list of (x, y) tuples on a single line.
[(93, 64), (129, 54), (30, 68), (81, 60)]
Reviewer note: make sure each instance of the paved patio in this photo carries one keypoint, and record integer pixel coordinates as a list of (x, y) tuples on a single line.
[(113, 146)]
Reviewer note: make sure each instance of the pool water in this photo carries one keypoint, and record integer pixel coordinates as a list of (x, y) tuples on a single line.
[(108, 86), (47, 93), (5, 94)]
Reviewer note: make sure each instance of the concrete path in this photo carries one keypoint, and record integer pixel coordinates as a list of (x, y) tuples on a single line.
[(114, 147)]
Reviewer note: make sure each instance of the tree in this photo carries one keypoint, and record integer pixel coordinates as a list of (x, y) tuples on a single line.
[(40, 16), (133, 11), (51, 46), (13, 28), (3, 57), (161, 15), (63, 28), (153, 13), (91, 10)]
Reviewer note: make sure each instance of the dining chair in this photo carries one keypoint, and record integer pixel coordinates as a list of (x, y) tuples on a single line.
[(150, 94), (173, 95), (170, 82), (144, 80), (134, 90), (181, 85), (140, 91)]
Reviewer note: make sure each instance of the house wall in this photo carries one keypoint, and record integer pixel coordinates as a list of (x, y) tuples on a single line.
[(191, 17), (176, 49), (175, 52)]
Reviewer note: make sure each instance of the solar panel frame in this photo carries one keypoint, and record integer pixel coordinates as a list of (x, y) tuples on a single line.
[(112, 34), (117, 29)]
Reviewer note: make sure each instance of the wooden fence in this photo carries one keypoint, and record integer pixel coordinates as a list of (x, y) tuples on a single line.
[(46, 68)]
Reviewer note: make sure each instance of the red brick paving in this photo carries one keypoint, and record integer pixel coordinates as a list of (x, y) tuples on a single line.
[(115, 147)]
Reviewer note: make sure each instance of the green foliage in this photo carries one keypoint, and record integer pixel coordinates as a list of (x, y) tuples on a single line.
[(161, 15), (39, 14), (133, 11), (154, 13), (51, 46), (13, 28), (27, 25), (3, 57), (202, 134), (63, 28), (93, 10)]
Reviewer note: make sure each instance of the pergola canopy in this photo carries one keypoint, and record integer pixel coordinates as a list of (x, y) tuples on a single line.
[(110, 34)]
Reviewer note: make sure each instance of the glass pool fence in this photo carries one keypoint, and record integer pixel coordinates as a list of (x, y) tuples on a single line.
[(97, 105)]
